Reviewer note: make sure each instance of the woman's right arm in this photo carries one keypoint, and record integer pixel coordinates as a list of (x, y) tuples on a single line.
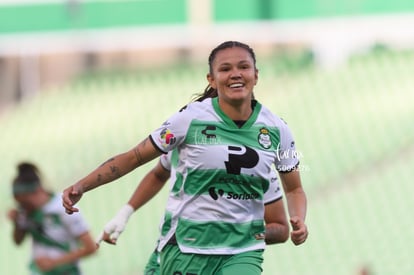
[(277, 226), (109, 171), (86, 248), (150, 185), (19, 232)]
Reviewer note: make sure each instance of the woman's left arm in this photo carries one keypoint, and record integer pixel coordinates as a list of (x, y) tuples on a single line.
[(297, 205), (87, 246)]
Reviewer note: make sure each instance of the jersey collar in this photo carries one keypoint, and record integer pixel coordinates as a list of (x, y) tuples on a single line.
[(256, 109)]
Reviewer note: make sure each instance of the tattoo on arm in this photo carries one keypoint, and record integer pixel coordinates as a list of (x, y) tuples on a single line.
[(138, 153), (115, 173), (109, 160)]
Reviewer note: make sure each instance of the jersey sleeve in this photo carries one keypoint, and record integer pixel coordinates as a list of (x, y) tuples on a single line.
[(287, 156), (172, 132), (75, 224), (165, 161), (274, 192)]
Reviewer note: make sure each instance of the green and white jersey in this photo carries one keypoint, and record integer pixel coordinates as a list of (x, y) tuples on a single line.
[(169, 221), (54, 232), (222, 174)]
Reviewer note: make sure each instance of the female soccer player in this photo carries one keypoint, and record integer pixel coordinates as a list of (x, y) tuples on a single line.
[(59, 240), (226, 148)]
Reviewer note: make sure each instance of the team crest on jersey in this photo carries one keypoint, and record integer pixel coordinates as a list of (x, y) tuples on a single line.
[(264, 138), (167, 138)]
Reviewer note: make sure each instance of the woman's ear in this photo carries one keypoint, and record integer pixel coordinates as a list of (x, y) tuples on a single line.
[(211, 81), (256, 76)]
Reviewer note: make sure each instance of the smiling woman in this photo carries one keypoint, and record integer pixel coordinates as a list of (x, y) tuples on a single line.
[(216, 233), (233, 74)]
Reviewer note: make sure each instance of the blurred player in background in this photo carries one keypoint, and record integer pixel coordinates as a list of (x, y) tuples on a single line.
[(226, 148), (58, 240)]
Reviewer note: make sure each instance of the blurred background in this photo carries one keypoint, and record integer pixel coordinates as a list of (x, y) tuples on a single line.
[(81, 81)]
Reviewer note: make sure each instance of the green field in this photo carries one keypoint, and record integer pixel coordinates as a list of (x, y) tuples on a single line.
[(353, 126)]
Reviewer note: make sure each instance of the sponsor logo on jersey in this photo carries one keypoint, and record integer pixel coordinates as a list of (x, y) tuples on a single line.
[(264, 138), (216, 194), (208, 131), (167, 138), (277, 189), (242, 196), (207, 136), (241, 157), (233, 180)]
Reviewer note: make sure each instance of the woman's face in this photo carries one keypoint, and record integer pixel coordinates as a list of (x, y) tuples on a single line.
[(234, 75), (27, 201)]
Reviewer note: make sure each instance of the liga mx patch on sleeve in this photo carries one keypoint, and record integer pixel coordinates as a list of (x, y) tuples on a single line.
[(166, 138)]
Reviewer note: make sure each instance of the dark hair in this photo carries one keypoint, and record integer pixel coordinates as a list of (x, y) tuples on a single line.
[(226, 45), (27, 172), (210, 92), (28, 178)]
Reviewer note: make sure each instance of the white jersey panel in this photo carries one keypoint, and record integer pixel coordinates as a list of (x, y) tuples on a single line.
[(274, 192), (60, 227)]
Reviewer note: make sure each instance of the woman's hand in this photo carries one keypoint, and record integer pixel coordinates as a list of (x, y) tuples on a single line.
[(45, 264), (116, 225), (70, 197), (299, 232)]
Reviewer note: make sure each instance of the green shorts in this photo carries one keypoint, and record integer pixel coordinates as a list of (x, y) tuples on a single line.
[(153, 264), (174, 262)]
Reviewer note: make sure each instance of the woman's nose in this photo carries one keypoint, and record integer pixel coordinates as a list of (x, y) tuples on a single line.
[(235, 74)]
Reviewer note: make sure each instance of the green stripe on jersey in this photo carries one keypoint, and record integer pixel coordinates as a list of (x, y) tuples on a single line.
[(166, 225), (174, 158), (210, 133), (38, 220), (220, 234), (199, 182)]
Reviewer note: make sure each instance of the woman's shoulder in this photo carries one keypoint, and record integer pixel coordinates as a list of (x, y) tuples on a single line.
[(271, 119), (194, 109), (197, 105), (268, 114)]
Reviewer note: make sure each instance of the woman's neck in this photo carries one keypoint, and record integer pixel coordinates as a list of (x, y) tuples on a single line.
[(42, 199), (240, 111)]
